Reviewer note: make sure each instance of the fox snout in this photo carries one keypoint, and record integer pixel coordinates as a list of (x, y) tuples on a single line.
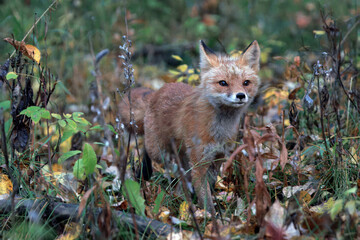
[(239, 98), (242, 97)]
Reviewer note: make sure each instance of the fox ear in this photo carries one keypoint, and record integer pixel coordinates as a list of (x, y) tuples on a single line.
[(208, 57), (251, 56)]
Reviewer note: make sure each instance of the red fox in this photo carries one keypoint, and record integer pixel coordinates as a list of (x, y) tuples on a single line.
[(202, 121)]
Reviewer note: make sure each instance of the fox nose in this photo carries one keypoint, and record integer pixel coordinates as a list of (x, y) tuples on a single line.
[(241, 96)]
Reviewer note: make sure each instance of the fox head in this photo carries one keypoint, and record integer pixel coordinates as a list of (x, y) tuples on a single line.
[(230, 81)]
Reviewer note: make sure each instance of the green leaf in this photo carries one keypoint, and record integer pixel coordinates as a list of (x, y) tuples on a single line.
[(30, 110), (55, 115), (67, 115), (97, 127), (158, 202), (11, 75), (117, 152), (45, 113), (5, 105), (350, 191), (131, 190), (81, 127), (112, 129), (89, 159), (36, 116), (8, 125), (62, 123), (67, 134), (336, 208), (71, 123), (83, 121), (351, 207), (68, 155), (79, 169), (77, 116)]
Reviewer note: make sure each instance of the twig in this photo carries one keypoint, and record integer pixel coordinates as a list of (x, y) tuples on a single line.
[(350, 30), (64, 212), (37, 21)]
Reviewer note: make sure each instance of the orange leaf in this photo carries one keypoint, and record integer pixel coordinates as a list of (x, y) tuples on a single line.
[(28, 50)]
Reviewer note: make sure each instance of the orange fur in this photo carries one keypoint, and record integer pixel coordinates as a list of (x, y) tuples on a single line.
[(204, 120)]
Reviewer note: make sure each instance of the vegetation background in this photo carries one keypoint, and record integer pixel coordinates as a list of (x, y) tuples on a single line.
[(300, 42)]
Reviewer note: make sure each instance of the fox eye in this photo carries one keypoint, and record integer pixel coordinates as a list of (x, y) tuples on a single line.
[(223, 83), (246, 83)]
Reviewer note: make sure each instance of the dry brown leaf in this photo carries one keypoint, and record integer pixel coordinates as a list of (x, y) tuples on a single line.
[(292, 95), (229, 162), (84, 200), (263, 199), (28, 50), (104, 219), (283, 155)]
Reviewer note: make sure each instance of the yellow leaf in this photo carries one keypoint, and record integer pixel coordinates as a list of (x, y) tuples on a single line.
[(33, 52), (72, 231), (180, 79), (319, 32), (235, 53), (270, 93), (287, 122), (182, 67), (164, 215), (177, 57), (191, 71), (172, 72), (5, 184), (66, 145), (193, 78), (304, 197), (57, 169), (184, 211), (329, 203)]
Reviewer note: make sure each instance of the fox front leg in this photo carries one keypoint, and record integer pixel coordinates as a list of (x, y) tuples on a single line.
[(202, 188)]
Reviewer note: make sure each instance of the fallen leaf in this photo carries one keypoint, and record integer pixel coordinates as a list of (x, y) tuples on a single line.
[(184, 211), (5, 184), (164, 215), (71, 232), (28, 50)]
